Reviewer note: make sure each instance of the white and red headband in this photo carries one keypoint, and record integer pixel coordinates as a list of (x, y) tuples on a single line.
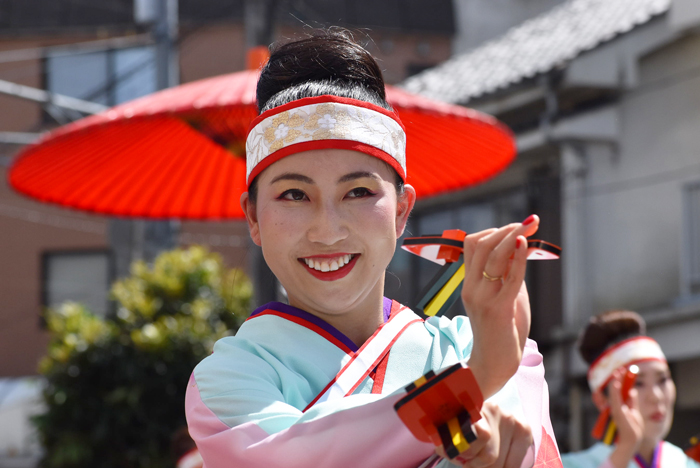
[(325, 122), (623, 354)]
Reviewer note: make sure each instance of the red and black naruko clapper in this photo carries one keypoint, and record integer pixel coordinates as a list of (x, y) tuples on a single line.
[(441, 408), (605, 428), (447, 250), (693, 450)]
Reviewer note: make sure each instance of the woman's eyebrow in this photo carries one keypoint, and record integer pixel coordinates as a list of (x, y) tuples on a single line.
[(357, 175), (292, 176), (653, 373)]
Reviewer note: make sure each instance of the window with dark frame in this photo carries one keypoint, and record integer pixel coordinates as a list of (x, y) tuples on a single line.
[(690, 255), (108, 77), (82, 276)]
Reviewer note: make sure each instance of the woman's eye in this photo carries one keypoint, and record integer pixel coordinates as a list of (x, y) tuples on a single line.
[(292, 195), (360, 192)]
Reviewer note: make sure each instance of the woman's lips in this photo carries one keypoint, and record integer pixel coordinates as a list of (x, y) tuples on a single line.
[(334, 275), (657, 416)]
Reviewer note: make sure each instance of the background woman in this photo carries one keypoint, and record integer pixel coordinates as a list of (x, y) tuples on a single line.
[(327, 201), (610, 343)]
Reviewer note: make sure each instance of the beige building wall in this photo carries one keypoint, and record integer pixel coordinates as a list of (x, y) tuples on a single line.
[(29, 229)]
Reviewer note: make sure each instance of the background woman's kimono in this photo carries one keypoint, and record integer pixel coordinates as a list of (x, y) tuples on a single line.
[(245, 403), (668, 456)]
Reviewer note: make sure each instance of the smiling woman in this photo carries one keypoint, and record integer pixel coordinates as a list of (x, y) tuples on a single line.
[(314, 382), (636, 418), (346, 207)]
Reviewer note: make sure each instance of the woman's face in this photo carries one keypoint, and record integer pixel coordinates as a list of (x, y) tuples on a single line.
[(327, 221), (657, 395)]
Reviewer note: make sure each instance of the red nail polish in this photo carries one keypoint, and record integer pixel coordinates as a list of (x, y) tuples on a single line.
[(529, 219), (517, 242)]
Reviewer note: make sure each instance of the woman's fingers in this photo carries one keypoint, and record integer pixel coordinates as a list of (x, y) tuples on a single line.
[(502, 441), (483, 431), (500, 258), (505, 439), (470, 244), (513, 282), (629, 421), (484, 450), (614, 393), (521, 442), (491, 252), (482, 249)]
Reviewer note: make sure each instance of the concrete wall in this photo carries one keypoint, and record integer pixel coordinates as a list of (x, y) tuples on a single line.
[(634, 192), (627, 202)]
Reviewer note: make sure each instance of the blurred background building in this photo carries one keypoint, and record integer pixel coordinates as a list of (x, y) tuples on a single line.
[(603, 97)]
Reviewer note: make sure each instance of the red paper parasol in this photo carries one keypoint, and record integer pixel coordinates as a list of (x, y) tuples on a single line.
[(179, 153)]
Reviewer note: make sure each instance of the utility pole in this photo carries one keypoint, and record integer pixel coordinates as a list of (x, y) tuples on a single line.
[(259, 22), (259, 31), (165, 31), (144, 239)]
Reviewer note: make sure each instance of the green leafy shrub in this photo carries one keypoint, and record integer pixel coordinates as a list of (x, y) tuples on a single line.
[(116, 387)]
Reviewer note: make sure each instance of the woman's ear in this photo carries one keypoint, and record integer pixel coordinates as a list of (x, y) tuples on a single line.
[(404, 205), (599, 400), (251, 217)]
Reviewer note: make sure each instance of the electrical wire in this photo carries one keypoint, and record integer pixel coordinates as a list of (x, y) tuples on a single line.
[(53, 220), (639, 182), (75, 48), (665, 82), (100, 228)]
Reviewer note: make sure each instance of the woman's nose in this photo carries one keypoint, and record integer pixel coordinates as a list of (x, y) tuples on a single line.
[(654, 394), (327, 226)]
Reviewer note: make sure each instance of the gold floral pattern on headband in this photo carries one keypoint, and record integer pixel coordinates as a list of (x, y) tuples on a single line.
[(284, 130), (325, 121), (399, 139)]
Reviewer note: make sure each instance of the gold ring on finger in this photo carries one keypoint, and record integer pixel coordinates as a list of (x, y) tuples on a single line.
[(492, 278)]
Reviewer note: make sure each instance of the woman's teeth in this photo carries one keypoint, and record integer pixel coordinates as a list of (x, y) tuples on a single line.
[(328, 264)]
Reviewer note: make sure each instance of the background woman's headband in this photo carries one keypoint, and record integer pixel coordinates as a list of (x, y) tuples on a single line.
[(625, 353), (325, 122)]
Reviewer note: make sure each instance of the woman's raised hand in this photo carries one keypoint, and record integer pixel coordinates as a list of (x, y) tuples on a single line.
[(496, 301), (502, 441), (628, 419)]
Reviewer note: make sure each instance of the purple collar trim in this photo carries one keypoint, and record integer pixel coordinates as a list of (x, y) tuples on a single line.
[(387, 309), (654, 458), (302, 314)]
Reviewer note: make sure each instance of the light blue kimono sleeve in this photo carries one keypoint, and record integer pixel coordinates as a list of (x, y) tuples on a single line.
[(593, 457)]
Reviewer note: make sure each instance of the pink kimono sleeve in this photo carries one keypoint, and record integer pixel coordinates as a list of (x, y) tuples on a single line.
[(534, 395), (369, 435)]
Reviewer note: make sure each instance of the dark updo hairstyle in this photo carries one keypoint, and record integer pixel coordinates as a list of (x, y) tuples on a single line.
[(328, 62), (608, 329)]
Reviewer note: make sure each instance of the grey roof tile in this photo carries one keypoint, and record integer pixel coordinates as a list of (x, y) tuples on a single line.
[(536, 46)]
